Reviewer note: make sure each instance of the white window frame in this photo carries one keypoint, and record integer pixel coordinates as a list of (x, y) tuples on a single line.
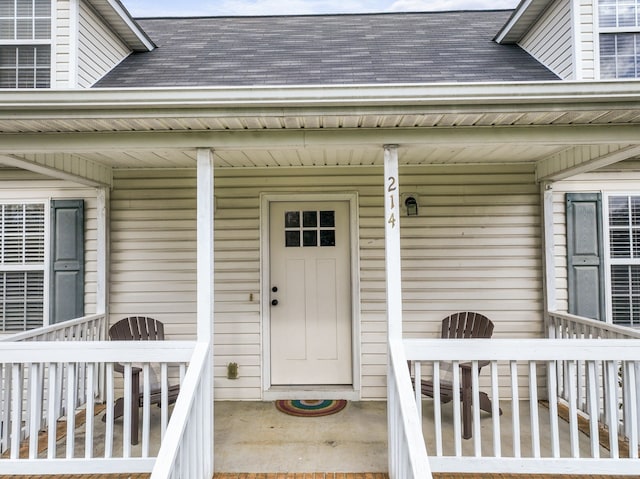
[(608, 261), (47, 248), (599, 31), (39, 42)]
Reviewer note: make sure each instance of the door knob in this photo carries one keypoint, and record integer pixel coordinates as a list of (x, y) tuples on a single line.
[(274, 289), (274, 302)]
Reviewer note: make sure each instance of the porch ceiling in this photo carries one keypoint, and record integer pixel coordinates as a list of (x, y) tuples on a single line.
[(320, 126)]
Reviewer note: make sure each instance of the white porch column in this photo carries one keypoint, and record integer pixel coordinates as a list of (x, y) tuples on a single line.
[(205, 244), (102, 280), (205, 212), (392, 242), (548, 242)]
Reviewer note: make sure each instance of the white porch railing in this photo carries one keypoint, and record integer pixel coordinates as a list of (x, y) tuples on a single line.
[(568, 326), (527, 437), (42, 380), (87, 328), (189, 437), (407, 451)]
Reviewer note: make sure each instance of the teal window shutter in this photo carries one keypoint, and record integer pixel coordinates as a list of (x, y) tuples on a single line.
[(585, 255), (66, 297)]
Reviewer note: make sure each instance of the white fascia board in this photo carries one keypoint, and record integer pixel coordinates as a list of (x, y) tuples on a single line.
[(126, 27), (304, 100), (524, 16)]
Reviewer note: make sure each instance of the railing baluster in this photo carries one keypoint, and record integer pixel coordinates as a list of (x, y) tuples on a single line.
[(71, 416), (573, 409), (5, 400), (52, 412), (89, 412), (495, 409), (457, 433), (515, 408), (417, 380), (146, 409), (108, 437), (34, 409), (475, 392), (16, 409), (611, 402), (126, 420), (437, 409), (533, 406), (592, 384), (552, 387), (164, 413), (631, 419)]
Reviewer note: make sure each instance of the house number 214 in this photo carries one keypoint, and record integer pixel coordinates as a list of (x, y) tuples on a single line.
[(392, 204)]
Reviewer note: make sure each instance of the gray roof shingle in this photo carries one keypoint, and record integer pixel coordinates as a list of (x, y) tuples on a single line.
[(327, 50)]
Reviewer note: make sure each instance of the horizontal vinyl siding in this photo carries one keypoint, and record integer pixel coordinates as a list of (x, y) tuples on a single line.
[(474, 246), (99, 48), (62, 47), (550, 40), (623, 177), (587, 40), (18, 185)]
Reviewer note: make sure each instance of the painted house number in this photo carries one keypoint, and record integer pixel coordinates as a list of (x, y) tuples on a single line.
[(392, 204)]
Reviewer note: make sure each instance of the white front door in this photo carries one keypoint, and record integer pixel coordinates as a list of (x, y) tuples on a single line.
[(310, 292)]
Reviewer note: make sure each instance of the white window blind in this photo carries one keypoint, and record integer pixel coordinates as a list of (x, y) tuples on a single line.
[(22, 264), (624, 256)]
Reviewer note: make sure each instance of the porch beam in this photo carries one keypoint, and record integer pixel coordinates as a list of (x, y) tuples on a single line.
[(88, 142), (582, 159), (548, 252), (63, 167)]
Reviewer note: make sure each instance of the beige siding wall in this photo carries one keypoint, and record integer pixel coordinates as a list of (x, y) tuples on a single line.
[(621, 178), (587, 39), (474, 246), (18, 185), (99, 49), (550, 40), (62, 48)]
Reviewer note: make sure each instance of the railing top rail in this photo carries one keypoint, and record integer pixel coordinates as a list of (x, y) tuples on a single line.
[(97, 351), (51, 329), (521, 349), (592, 323)]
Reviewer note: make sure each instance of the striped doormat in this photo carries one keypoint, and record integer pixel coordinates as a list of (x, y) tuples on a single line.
[(310, 407)]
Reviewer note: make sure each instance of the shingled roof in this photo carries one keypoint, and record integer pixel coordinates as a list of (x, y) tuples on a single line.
[(327, 50)]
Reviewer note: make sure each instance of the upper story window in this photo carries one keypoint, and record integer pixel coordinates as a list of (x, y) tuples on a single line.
[(25, 43)]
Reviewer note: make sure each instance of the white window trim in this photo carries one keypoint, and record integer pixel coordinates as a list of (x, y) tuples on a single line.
[(47, 251)]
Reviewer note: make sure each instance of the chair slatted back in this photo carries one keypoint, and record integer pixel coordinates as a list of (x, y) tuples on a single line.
[(137, 328), (466, 325)]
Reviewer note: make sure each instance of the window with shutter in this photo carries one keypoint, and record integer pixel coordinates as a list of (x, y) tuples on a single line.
[(22, 266), (25, 43)]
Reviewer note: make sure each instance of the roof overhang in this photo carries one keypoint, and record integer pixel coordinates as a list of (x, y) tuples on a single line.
[(556, 127), (119, 19), (523, 17)]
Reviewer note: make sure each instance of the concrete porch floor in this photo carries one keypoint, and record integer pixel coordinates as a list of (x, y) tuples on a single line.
[(256, 437)]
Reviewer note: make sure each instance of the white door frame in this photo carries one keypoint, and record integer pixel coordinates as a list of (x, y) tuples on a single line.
[(309, 392)]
